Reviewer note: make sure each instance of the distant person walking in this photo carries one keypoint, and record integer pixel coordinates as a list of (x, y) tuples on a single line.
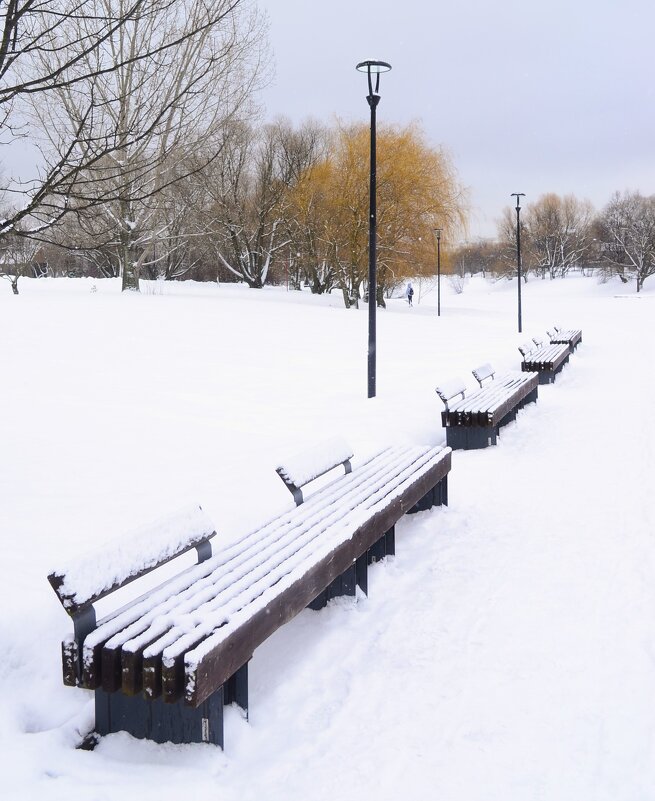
[(410, 293)]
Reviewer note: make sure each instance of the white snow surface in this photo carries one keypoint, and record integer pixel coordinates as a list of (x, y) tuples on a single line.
[(304, 466), (507, 651), (89, 575)]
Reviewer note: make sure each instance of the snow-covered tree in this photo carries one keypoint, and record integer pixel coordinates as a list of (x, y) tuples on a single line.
[(627, 231), (141, 108)]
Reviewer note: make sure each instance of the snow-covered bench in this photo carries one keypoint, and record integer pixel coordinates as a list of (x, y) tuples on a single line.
[(164, 664), (565, 336), (474, 420), (547, 359)]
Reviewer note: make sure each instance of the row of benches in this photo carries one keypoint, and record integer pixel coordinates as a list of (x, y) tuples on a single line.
[(474, 420), (164, 664)]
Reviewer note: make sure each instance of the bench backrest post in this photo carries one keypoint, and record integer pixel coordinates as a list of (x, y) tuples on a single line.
[(307, 466), (448, 390), (84, 622), (483, 373), (204, 550)]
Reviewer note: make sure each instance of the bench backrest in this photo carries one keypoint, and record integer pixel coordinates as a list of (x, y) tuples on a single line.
[(527, 347), (484, 372), (87, 578), (306, 466), (448, 390)]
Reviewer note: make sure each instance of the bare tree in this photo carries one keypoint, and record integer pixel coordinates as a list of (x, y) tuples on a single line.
[(113, 85), (248, 188), (305, 150), (627, 231), (17, 258), (558, 233)]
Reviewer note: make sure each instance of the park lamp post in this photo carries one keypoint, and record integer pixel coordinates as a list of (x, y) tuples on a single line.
[(518, 195), (372, 68), (437, 234)]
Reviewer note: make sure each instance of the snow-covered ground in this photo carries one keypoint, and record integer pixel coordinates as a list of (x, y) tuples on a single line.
[(508, 650)]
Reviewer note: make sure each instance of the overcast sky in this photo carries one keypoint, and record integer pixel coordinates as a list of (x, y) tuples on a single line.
[(527, 96)]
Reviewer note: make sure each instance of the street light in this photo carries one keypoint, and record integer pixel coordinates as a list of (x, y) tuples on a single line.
[(437, 233), (518, 195), (372, 68)]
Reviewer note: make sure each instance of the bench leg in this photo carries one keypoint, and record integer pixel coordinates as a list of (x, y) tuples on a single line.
[(235, 689), (470, 438), (319, 602), (345, 584), (437, 496), (163, 723), (385, 546), (457, 437), (390, 542), (531, 397), (357, 574), (361, 572), (441, 492)]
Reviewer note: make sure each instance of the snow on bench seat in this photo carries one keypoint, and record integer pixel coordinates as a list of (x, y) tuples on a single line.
[(190, 626)]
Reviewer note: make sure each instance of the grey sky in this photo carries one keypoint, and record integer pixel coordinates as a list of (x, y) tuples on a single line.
[(528, 96)]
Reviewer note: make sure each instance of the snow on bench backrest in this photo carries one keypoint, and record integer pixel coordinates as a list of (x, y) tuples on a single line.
[(527, 347), (305, 466), (87, 578), (447, 390), (483, 372)]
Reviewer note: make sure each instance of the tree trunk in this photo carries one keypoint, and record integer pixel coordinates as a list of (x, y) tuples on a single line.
[(346, 296), (14, 285), (130, 269)]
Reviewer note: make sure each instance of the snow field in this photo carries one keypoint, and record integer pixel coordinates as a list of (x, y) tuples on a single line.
[(507, 651)]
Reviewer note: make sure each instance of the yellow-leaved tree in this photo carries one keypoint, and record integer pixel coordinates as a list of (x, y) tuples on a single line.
[(417, 190)]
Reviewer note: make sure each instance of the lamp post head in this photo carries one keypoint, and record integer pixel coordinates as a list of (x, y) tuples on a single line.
[(373, 67), (517, 195), (437, 233)]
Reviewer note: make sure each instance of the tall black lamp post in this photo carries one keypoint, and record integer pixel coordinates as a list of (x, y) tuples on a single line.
[(437, 233), (518, 195), (372, 68)]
